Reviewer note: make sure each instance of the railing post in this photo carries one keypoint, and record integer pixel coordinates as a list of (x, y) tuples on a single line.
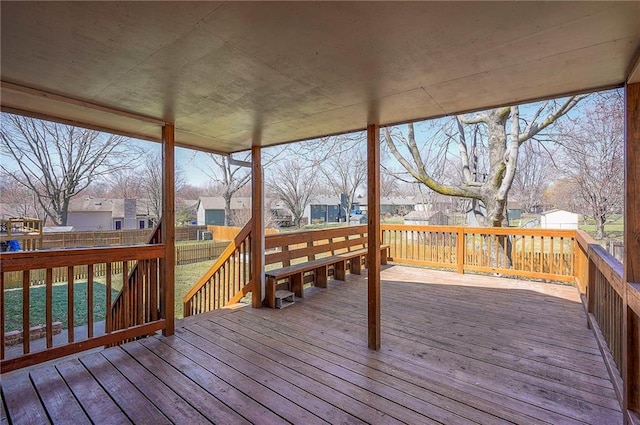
[(167, 266), (590, 284), (631, 339), (460, 250)]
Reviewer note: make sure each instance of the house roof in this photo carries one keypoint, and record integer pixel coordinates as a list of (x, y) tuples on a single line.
[(417, 215), (555, 210), (113, 205), (232, 73), (217, 203)]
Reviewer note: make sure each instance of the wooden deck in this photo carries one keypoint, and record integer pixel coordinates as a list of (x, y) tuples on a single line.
[(455, 350)]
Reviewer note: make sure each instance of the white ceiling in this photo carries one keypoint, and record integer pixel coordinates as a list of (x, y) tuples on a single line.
[(227, 73)]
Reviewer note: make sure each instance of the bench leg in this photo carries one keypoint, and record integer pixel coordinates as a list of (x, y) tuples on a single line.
[(297, 284), (270, 296), (321, 277), (340, 269), (356, 265), (384, 255)]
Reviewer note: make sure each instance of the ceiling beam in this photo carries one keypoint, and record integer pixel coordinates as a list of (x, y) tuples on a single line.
[(76, 102)]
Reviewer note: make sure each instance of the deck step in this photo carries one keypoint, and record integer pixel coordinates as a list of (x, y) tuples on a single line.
[(284, 298)]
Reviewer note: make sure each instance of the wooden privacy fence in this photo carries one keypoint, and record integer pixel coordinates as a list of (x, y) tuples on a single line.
[(531, 253), (200, 251), (89, 239), (229, 233)]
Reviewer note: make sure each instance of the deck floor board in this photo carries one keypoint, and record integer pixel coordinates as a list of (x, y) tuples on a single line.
[(456, 349)]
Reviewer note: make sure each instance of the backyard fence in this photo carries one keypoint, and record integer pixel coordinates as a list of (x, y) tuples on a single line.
[(229, 233), (99, 238)]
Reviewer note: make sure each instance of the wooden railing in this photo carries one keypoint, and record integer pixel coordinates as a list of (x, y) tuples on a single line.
[(137, 302), (531, 253), (146, 257), (228, 279), (609, 301)]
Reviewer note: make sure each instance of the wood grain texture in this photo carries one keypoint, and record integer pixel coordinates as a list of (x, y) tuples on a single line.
[(167, 282), (631, 330), (373, 230), (461, 349), (257, 227)]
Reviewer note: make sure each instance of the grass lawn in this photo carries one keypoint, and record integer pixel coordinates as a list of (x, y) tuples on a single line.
[(13, 304), (186, 276), (614, 230)]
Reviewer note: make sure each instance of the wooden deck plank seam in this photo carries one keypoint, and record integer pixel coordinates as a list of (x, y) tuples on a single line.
[(504, 394)]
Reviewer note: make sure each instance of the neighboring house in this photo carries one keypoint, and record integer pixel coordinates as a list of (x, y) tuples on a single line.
[(417, 218), (396, 206), (514, 211), (424, 218), (328, 209), (210, 210), (324, 209), (559, 219), (109, 214)]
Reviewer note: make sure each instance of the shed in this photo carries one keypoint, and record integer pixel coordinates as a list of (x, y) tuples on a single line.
[(559, 219)]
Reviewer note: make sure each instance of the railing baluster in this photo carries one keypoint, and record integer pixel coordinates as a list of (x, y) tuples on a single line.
[(108, 316), (90, 301), (25, 311), (3, 311), (125, 295), (49, 307), (70, 305)]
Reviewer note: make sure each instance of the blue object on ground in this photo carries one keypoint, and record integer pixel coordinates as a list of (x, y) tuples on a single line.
[(14, 245)]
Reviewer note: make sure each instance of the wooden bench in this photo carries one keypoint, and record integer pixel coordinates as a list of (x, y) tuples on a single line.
[(315, 254)]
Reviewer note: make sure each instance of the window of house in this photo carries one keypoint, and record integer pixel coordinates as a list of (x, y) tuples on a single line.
[(118, 224)]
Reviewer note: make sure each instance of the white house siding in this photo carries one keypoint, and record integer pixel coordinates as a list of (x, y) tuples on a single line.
[(200, 215), (90, 220), (559, 219)]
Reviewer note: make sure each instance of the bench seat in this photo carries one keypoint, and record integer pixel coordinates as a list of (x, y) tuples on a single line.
[(351, 260)]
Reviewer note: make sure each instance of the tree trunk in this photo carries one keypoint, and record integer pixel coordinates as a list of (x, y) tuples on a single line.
[(600, 227), (227, 210)]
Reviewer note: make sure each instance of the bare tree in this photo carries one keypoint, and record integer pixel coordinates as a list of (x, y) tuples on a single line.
[(231, 178), (346, 169), (150, 181), (125, 184), (505, 130), (594, 156), (533, 175), (57, 161), (17, 200), (294, 183), (388, 183)]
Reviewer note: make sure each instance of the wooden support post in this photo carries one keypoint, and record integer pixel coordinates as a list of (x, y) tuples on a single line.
[(257, 228), (631, 340), (373, 232), (167, 265)]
